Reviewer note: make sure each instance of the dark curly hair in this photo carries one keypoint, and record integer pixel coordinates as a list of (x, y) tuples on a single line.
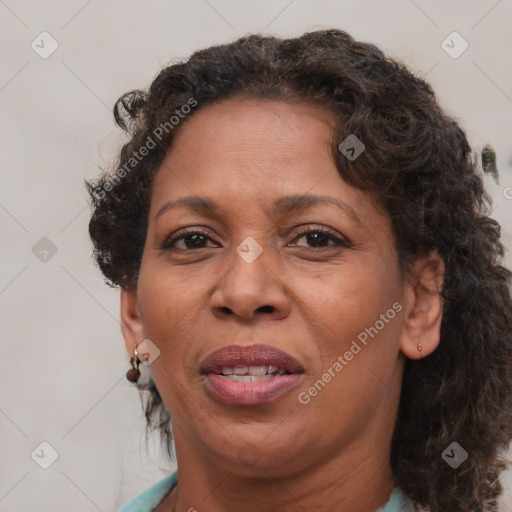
[(419, 166)]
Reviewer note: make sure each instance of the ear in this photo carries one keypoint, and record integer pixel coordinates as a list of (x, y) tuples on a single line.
[(131, 319), (423, 308)]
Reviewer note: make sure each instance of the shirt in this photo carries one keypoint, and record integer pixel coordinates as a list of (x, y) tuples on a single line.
[(150, 498)]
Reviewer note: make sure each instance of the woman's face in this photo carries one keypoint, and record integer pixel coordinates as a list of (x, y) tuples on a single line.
[(248, 278)]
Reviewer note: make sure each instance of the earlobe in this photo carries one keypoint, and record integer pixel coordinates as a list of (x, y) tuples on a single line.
[(423, 312), (131, 319)]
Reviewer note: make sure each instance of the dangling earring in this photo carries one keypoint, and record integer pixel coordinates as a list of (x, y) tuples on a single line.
[(133, 373), (420, 348)]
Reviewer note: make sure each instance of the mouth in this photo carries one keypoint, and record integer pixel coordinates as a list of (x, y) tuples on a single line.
[(250, 375)]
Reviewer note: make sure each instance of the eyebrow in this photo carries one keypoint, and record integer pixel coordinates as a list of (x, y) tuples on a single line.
[(282, 206)]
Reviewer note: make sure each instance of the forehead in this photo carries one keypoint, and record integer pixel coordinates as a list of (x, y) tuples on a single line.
[(248, 152), (241, 124), (250, 136)]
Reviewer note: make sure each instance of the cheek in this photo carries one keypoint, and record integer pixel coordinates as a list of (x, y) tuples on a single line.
[(169, 308), (167, 294), (359, 311), (170, 304), (351, 299)]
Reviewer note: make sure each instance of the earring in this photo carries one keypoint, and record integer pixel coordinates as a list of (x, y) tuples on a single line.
[(133, 373), (420, 348)]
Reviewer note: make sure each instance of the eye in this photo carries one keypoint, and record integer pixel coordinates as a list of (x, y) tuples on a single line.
[(191, 239), (319, 237), (315, 237)]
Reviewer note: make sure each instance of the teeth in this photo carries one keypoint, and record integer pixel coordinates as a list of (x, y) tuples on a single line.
[(252, 371), (249, 378), (257, 370)]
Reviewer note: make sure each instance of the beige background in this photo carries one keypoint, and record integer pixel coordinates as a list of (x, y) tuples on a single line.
[(63, 358)]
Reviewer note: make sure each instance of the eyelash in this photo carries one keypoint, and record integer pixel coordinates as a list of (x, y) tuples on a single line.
[(339, 242)]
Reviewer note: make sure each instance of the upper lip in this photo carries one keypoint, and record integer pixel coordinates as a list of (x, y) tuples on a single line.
[(254, 355)]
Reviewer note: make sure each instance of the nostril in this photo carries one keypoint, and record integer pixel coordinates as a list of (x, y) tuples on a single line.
[(262, 309)]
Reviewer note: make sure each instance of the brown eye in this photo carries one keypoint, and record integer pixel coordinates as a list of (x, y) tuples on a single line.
[(317, 237), (189, 240)]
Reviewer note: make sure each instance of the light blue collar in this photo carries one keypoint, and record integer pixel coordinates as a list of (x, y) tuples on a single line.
[(397, 503), (150, 498)]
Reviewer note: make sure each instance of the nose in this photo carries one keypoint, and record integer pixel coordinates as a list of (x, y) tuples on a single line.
[(247, 290)]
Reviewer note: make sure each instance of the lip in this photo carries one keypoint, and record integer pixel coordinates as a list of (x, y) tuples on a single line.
[(249, 393)]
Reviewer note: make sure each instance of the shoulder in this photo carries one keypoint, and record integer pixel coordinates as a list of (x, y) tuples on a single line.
[(150, 498)]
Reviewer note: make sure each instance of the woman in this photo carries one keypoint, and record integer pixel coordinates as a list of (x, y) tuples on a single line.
[(305, 259)]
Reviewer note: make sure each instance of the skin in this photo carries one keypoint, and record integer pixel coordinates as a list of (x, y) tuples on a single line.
[(308, 300)]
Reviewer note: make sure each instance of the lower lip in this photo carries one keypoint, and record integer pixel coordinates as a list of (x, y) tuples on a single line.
[(250, 393)]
